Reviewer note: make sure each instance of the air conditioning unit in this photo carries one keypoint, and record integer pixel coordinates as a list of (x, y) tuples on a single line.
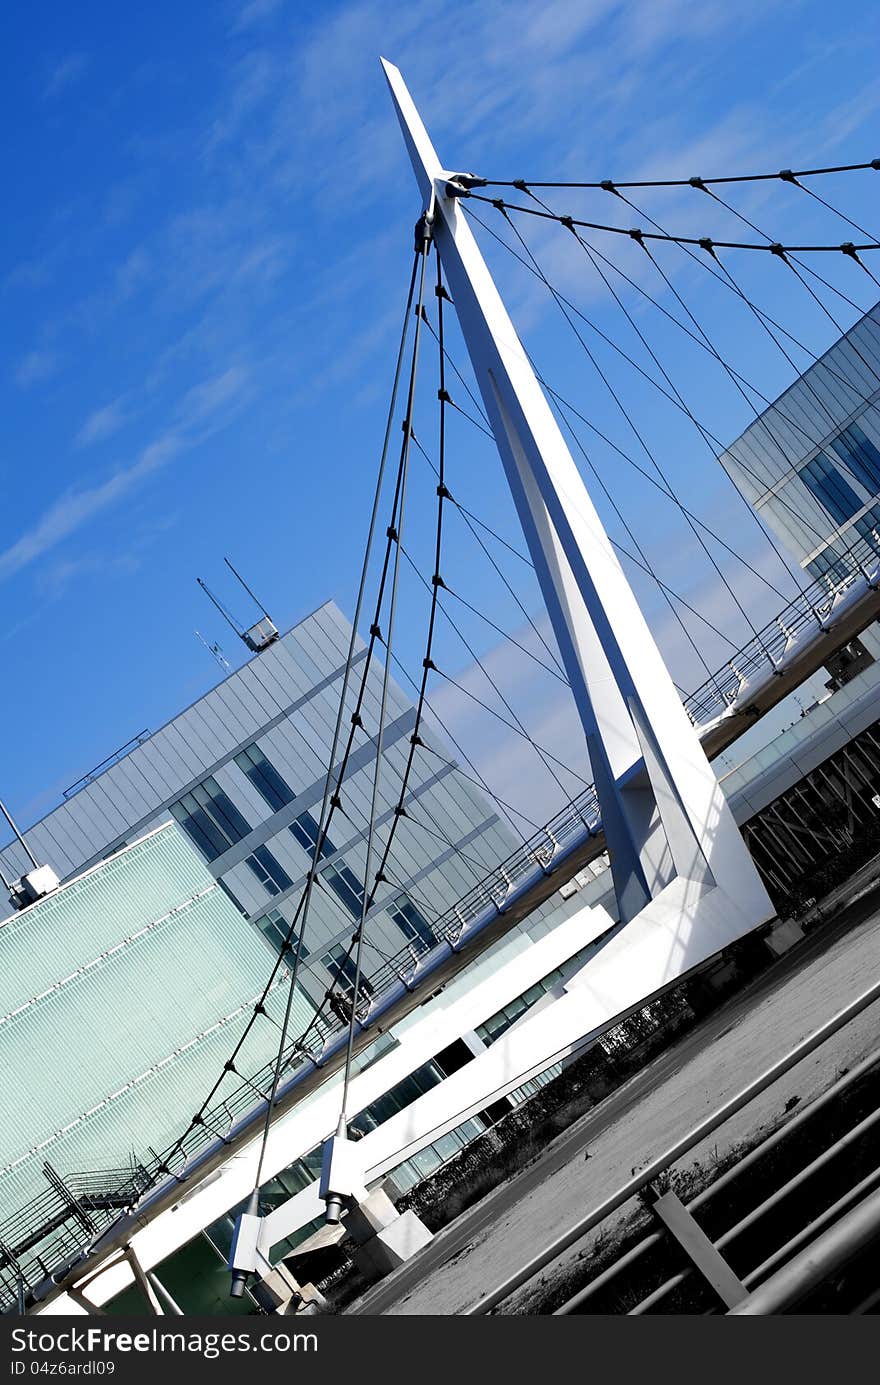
[(39, 882), (264, 633)]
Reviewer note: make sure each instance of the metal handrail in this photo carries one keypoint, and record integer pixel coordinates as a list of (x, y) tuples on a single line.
[(829, 1252), (659, 1165), (784, 1132)]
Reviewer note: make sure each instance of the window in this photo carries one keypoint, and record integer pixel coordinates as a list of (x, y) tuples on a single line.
[(500, 1022), (342, 880), (860, 456), (828, 563), (824, 481), (265, 777), (343, 968), (270, 872), (412, 924), (274, 926), (210, 819), (868, 527), (306, 830)]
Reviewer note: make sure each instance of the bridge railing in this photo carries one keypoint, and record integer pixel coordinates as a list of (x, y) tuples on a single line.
[(767, 650)]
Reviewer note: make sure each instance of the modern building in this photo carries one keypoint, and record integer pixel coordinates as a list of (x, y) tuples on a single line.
[(242, 772), (120, 994), (182, 860), (810, 463)]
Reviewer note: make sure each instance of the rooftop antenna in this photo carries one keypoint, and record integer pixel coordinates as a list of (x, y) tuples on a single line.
[(221, 608), (214, 650), (265, 631), (38, 881), (253, 598)]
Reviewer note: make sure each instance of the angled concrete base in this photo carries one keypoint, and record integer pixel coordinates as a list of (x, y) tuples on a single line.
[(280, 1292), (783, 935), (384, 1238)]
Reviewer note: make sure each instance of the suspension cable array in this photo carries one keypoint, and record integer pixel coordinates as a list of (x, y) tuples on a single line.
[(348, 1001)]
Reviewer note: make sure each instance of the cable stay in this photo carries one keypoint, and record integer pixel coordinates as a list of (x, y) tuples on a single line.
[(735, 377), (707, 243), (785, 175)]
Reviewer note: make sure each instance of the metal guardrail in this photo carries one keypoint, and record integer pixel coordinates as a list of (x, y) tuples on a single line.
[(111, 759), (659, 1166), (769, 648)]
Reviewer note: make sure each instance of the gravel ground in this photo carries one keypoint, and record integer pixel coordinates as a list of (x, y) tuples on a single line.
[(476, 1253)]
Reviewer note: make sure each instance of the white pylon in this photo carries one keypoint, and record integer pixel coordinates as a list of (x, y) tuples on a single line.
[(677, 856)]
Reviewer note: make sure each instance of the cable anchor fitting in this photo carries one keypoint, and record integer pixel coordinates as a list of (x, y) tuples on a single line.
[(424, 231)]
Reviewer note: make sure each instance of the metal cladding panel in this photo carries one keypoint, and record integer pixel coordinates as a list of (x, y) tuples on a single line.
[(117, 985)]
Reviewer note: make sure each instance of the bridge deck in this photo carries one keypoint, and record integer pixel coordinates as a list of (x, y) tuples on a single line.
[(644, 1117)]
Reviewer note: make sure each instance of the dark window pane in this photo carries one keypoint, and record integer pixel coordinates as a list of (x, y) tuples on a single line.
[(411, 922), (269, 871), (211, 820), (345, 885), (835, 494), (860, 456), (305, 829), (265, 778)]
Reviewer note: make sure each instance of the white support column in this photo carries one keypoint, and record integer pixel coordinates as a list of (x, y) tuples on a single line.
[(672, 840)]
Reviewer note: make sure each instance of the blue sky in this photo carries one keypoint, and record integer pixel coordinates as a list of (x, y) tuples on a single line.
[(205, 252)]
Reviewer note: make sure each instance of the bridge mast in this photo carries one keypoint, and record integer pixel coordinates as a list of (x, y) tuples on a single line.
[(678, 859)]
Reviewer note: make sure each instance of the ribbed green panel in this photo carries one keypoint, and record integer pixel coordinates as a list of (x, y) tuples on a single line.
[(55, 936), (93, 1037)]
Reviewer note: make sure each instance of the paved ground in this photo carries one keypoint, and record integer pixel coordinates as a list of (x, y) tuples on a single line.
[(478, 1251)]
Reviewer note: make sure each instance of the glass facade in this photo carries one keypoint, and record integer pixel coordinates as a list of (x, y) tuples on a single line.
[(810, 465), (859, 455), (824, 480)]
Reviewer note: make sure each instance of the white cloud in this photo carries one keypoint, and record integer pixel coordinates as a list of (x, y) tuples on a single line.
[(200, 412), (66, 73), (35, 367), (102, 423), (255, 12)]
